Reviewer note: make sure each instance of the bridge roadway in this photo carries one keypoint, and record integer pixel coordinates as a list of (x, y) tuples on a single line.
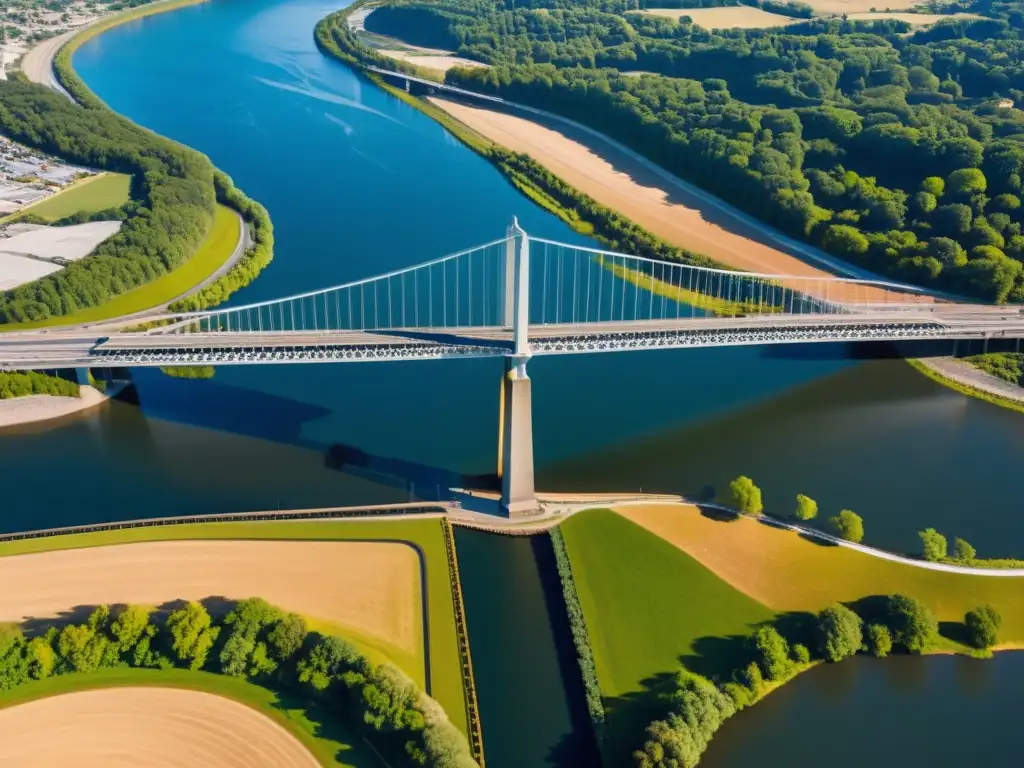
[(85, 347)]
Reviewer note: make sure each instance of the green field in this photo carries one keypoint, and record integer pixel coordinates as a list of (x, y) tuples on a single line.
[(95, 193), (648, 607), (445, 666), (216, 248), (321, 733)]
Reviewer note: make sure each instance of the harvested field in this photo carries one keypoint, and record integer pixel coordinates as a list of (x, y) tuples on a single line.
[(146, 726), (440, 62), (734, 17), (914, 19), (372, 588), (823, 7)]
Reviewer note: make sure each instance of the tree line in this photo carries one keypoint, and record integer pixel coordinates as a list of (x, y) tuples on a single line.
[(256, 641), (22, 383), (697, 707), (835, 132)]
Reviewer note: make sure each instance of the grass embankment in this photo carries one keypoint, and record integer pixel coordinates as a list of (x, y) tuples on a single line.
[(670, 586), (328, 739), (967, 389), (445, 668), (213, 252), (577, 209), (88, 195)]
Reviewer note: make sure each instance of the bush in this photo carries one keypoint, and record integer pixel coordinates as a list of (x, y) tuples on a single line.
[(838, 632), (806, 508), (983, 625), (913, 625), (744, 496), (933, 545), (847, 525), (800, 653), (879, 640), (21, 384), (962, 550), (772, 653)]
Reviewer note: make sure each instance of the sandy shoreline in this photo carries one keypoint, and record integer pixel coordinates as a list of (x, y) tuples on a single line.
[(128, 727), (34, 408)]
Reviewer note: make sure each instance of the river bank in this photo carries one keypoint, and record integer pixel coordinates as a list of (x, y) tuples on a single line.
[(969, 380), (30, 409)]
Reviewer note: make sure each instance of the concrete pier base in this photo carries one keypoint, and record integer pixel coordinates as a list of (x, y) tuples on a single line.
[(515, 443)]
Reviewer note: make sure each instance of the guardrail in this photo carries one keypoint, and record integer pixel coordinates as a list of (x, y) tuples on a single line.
[(379, 510), (476, 734)]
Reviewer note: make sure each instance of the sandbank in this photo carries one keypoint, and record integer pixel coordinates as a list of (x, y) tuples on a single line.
[(32, 408), (129, 727), (371, 587), (731, 17)]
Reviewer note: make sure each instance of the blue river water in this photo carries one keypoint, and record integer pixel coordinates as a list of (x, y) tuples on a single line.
[(358, 183)]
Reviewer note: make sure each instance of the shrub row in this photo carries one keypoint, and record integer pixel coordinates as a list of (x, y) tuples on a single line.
[(580, 636), (256, 641), (476, 734), (20, 384)]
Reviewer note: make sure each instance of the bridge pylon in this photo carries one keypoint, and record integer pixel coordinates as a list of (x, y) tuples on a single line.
[(515, 422)]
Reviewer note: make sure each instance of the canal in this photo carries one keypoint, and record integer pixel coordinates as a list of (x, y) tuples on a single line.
[(358, 183)]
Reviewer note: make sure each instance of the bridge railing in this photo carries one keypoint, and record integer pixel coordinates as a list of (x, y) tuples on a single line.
[(568, 284), (573, 284)]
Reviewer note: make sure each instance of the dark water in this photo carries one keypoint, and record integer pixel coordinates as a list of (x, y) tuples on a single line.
[(528, 682), (358, 183), (938, 711)]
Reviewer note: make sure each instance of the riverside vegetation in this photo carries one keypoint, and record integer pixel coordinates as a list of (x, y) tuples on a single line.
[(254, 641), (20, 384), (667, 692), (174, 193), (886, 147)]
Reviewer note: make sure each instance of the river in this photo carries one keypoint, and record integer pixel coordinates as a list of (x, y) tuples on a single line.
[(358, 183)]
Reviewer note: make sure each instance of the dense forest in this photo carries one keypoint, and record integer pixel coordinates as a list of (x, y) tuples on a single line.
[(886, 147)]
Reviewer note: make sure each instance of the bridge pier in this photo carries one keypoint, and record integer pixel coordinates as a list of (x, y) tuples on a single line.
[(515, 442)]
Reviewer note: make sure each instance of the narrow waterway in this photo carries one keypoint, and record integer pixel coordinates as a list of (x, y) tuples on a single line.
[(357, 183)]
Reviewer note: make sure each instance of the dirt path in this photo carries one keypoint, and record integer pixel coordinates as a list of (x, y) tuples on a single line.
[(373, 588), (38, 62), (156, 727)]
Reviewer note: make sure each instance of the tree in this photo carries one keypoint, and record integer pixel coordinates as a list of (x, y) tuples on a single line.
[(879, 640), (983, 625), (772, 652), (41, 658), (192, 635), (963, 551), (130, 626), (953, 219), (933, 185), (947, 251), (933, 545), (326, 660), (844, 240), (806, 508), (912, 624), (1005, 202), (287, 636), (744, 496), (966, 182), (838, 633), (250, 616), (922, 80), (800, 653), (847, 525), (925, 203)]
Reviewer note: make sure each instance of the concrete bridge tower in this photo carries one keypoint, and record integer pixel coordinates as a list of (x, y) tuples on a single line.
[(515, 428)]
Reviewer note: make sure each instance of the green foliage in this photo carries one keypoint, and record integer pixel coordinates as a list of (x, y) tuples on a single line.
[(20, 384), (823, 124), (189, 371), (962, 550), (131, 626), (806, 508), (847, 525), (286, 637), (744, 496), (966, 182), (800, 653), (192, 634), (933, 545), (879, 640), (772, 653), (697, 711), (913, 625), (838, 633), (580, 636), (983, 625), (1008, 366)]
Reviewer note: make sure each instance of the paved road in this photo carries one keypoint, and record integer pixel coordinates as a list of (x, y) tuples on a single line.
[(38, 62)]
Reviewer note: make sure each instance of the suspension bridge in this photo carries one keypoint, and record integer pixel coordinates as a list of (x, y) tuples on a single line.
[(514, 298)]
